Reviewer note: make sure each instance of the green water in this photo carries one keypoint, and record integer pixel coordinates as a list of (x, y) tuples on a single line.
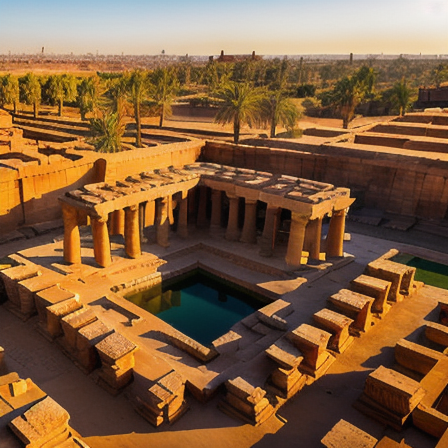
[(429, 272), (199, 306)]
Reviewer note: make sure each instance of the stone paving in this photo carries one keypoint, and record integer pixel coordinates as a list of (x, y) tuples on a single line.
[(310, 414)]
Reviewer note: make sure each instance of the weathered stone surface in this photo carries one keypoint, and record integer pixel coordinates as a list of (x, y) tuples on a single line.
[(338, 325), (416, 357), (285, 354), (312, 342), (12, 276), (373, 287), (437, 333), (75, 321), (45, 421), (246, 402), (346, 435), (394, 391), (400, 276), (57, 311), (356, 306), (48, 297)]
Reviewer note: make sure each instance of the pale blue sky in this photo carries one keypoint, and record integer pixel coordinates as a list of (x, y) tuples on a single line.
[(204, 27)]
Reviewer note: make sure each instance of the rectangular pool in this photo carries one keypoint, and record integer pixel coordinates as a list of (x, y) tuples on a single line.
[(199, 304), (429, 272)]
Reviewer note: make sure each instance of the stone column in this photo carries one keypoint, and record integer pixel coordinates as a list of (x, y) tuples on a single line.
[(182, 220), (101, 243), (296, 239), (150, 213), (132, 231), (141, 219), (335, 237), (201, 220), (72, 240), (268, 236), (215, 222), (313, 236), (232, 232), (162, 222), (249, 233), (117, 223)]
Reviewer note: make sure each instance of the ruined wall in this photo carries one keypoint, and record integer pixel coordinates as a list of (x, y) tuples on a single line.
[(122, 164), (29, 191), (402, 184)]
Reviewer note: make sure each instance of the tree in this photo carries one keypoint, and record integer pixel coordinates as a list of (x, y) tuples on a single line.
[(31, 91), (138, 89), (107, 132), (439, 74), (89, 94), (241, 103), (401, 95), (62, 88), (279, 109), (163, 91), (9, 91), (350, 91)]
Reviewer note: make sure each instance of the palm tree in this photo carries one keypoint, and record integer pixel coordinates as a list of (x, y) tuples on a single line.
[(165, 87), (31, 91), (349, 91), (9, 91), (279, 109), (107, 132), (62, 88), (138, 89), (241, 103), (401, 95), (89, 94)]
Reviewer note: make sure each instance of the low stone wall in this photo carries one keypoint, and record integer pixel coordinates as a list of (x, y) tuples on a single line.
[(397, 183)]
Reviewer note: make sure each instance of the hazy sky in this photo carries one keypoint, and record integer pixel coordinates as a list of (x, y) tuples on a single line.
[(205, 27)]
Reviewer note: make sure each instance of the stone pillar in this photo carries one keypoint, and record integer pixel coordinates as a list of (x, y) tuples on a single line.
[(335, 237), (296, 239), (182, 220), (268, 236), (150, 213), (72, 240), (162, 222), (132, 231), (117, 222), (249, 233), (141, 220), (232, 232), (201, 220), (215, 222), (101, 243), (313, 237)]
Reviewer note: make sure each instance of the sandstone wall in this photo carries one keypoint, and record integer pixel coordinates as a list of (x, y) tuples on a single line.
[(29, 191), (396, 183)]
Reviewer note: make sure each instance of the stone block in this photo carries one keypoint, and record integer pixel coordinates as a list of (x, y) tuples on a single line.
[(443, 315), (73, 322), (12, 276), (117, 360), (46, 423), (389, 397), (246, 402), (336, 324), (346, 435), (400, 276), (29, 287), (87, 337), (437, 333), (416, 357), (56, 312), (373, 287), (18, 387), (356, 306), (285, 354), (48, 297), (312, 343), (2, 354)]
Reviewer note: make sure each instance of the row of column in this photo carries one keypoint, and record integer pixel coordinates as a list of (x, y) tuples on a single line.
[(304, 234)]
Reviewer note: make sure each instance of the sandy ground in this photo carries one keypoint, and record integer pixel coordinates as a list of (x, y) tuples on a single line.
[(107, 421)]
